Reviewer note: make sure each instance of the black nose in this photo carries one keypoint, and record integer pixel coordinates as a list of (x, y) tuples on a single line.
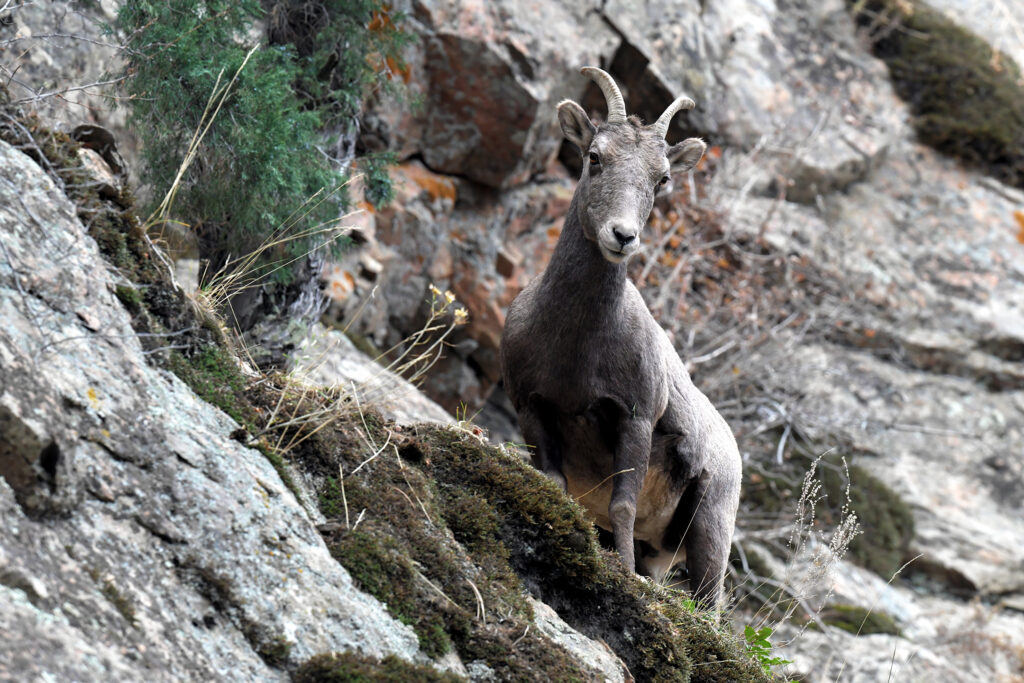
[(623, 239)]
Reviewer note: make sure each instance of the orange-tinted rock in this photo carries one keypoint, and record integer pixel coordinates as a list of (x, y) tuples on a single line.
[(489, 76), (436, 186), (486, 319)]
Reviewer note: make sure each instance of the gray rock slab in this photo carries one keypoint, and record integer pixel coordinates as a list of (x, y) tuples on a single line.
[(328, 358), (157, 547), (597, 656)]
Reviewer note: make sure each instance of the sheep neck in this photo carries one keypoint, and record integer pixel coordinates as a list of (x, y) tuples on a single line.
[(584, 289)]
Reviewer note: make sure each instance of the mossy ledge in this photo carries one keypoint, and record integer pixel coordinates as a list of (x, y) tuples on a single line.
[(445, 517), (351, 667)]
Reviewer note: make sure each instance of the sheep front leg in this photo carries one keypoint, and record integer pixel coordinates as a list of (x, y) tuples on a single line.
[(631, 458), (535, 421)]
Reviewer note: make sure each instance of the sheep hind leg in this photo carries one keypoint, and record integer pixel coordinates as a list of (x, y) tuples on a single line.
[(707, 541)]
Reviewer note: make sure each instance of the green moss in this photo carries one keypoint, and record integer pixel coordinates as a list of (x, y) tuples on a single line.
[(885, 520), (275, 651), (857, 620), (379, 570), (527, 503), (129, 296), (214, 375), (331, 501), (350, 667), (473, 522), (467, 596), (382, 568), (966, 99)]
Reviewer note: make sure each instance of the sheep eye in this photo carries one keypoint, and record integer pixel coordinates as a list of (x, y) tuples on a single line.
[(594, 159), (663, 181)]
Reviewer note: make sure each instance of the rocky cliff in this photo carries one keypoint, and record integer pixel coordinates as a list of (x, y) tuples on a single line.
[(172, 514), (844, 275)]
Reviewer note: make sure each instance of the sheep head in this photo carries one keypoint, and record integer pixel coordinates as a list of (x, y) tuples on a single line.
[(625, 165)]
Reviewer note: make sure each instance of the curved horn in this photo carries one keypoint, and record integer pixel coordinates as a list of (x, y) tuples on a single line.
[(661, 125), (616, 107)]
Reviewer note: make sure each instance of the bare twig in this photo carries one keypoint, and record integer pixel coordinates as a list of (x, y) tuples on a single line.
[(50, 36), (481, 613), (63, 91), (359, 519), (517, 640), (344, 499), (610, 476), (782, 443), (374, 456), (439, 591)]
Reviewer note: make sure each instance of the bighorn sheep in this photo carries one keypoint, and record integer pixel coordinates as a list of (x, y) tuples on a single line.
[(604, 402)]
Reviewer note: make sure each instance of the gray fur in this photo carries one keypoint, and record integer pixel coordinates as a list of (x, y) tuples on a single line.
[(598, 387)]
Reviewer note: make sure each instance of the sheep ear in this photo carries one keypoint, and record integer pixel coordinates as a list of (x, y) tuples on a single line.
[(684, 155), (576, 125)]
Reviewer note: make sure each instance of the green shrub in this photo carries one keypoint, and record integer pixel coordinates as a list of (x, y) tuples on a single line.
[(259, 161)]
